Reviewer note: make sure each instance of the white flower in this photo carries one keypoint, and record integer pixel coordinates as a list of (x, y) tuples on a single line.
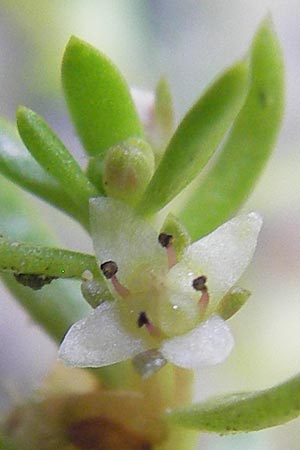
[(157, 306)]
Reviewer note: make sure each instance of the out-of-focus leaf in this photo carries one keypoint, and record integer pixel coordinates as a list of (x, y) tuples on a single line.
[(164, 111), (6, 444), (57, 306), (227, 184), (52, 155), (98, 98), (17, 164), (243, 412), (197, 137)]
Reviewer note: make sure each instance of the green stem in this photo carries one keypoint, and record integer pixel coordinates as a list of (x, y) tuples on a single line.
[(20, 257), (167, 388)]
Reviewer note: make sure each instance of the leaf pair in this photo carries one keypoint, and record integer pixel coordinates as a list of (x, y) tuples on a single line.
[(104, 115), (229, 180)]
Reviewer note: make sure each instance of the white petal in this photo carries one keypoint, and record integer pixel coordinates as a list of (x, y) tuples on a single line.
[(122, 236), (206, 345), (100, 340), (222, 257)]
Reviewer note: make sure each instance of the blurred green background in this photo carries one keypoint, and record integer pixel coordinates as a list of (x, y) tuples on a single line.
[(189, 42)]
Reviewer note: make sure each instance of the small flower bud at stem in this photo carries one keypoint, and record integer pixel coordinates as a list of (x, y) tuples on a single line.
[(87, 276), (127, 170), (109, 269)]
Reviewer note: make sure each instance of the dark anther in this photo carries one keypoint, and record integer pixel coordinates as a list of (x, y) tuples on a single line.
[(165, 239), (142, 320), (199, 283), (109, 269), (34, 281)]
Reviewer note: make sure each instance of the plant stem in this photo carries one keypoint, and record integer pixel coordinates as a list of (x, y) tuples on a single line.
[(19, 257)]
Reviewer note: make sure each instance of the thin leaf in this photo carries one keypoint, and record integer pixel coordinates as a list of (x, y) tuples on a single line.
[(17, 164), (164, 111), (242, 412), (23, 258), (197, 137), (52, 155), (98, 98), (228, 183), (57, 306)]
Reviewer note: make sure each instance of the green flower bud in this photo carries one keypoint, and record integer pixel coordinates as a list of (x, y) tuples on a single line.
[(232, 302), (128, 168)]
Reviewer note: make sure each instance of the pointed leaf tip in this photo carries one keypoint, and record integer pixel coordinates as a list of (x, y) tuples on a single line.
[(98, 98)]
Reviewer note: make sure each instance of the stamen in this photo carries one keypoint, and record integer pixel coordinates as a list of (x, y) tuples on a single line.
[(199, 284), (143, 320), (165, 240), (109, 269), (203, 301), (120, 289)]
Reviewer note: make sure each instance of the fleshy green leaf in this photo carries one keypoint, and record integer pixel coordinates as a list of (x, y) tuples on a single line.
[(52, 155), (227, 184), (98, 98), (243, 412), (23, 258), (17, 164), (197, 137), (58, 305)]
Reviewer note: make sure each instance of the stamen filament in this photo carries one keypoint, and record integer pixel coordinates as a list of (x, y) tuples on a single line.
[(199, 284), (119, 288), (172, 258), (144, 321), (153, 330), (203, 302)]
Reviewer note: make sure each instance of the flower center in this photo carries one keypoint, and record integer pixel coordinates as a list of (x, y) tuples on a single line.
[(148, 297)]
